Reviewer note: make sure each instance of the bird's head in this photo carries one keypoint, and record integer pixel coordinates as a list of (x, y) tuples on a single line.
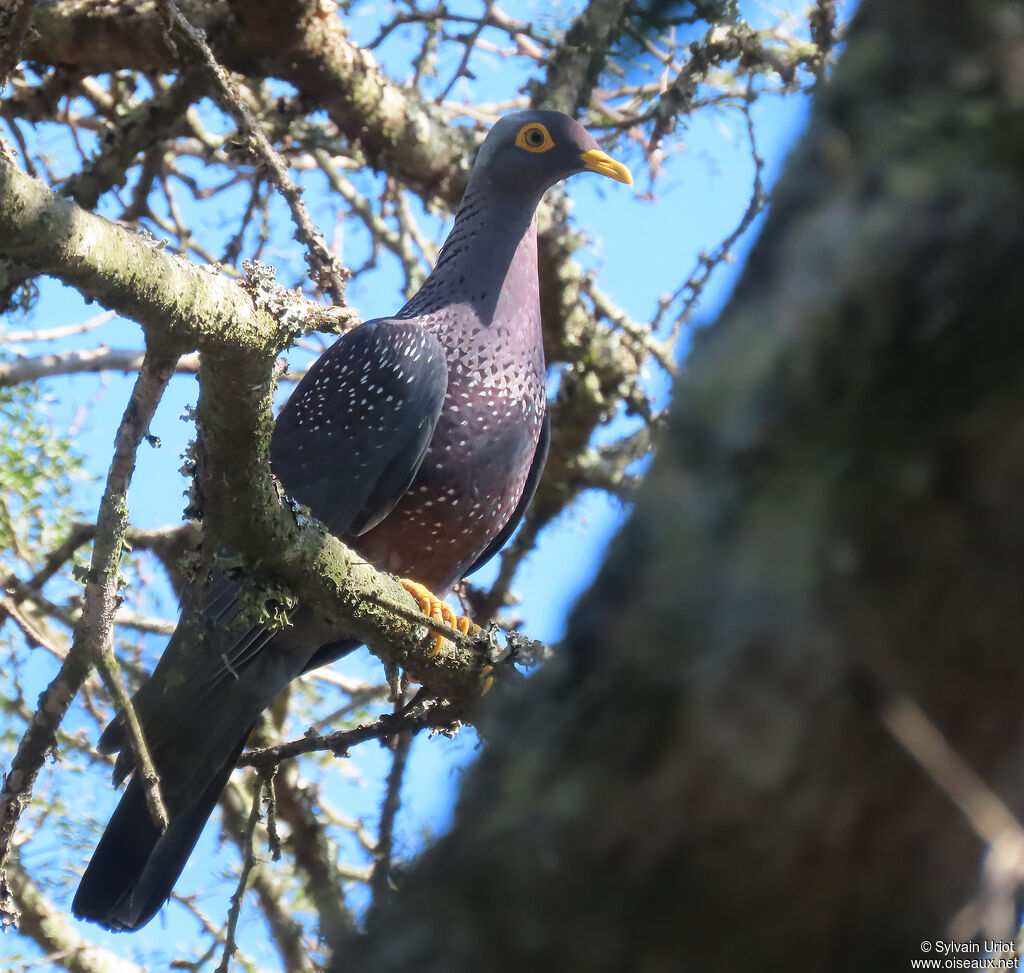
[(529, 151)]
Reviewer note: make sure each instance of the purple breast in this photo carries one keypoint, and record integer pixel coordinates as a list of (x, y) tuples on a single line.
[(480, 455)]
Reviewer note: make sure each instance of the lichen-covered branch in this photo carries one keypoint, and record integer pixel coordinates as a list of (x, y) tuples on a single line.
[(577, 64), (44, 922), (774, 731), (15, 22), (126, 272), (374, 117), (179, 305), (298, 41), (93, 633)]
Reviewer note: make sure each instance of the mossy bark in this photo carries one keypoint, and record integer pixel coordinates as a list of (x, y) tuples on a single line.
[(831, 534)]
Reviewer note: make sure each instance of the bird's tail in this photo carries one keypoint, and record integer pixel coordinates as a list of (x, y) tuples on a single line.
[(217, 674), (134, 866)]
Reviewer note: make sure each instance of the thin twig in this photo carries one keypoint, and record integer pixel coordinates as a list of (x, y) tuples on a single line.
[(166, 543), (417, 716), (94, 631), (988, 816), (285, 928), (31, 631), (110, 672), (470, 42), (708, 263), (50, 334), (18, 371), (322, 263), (380, 877), (248, 862)]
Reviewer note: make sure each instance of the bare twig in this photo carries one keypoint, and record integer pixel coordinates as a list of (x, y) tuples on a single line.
[(380, 232), (285, 928), (248, 862), (418, 716), (315, 853), (167, 543), (469, 42), (33, 632), (733, 41), (993, 910), (93, 634), (20, 370), (380, 877), (51, 334), (709, 262), (987, 814), (322, 263)]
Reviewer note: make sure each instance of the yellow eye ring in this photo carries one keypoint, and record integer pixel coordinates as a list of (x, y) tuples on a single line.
[(535, 138)]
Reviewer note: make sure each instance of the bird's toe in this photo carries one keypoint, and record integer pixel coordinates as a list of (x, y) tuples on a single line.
[(437, 609)]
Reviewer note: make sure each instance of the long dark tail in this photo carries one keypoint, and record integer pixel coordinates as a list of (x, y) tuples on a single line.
[(197, 710), (134, 867)]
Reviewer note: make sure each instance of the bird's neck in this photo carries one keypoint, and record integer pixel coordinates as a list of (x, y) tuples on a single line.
[(491, 248)]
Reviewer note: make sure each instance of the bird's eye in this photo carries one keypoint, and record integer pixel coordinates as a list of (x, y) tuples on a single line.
[(535, 138)]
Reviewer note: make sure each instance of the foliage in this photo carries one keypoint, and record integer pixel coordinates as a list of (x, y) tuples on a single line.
[(38, 470)]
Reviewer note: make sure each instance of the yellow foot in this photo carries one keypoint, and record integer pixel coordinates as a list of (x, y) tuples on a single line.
[(433, 607)]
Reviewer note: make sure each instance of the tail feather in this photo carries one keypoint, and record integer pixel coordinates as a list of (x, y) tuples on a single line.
[(134, 867), (211, 683)]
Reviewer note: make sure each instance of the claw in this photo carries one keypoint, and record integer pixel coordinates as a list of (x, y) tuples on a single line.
[(435, 608)]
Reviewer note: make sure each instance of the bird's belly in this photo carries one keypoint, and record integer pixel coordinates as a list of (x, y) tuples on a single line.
[(464, 493)]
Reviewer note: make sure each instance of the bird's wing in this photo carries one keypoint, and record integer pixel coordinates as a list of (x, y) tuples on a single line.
[(353, 434), (540, 457), (346, 445)]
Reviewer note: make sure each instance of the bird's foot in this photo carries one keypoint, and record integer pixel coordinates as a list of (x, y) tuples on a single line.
[(435, 608)]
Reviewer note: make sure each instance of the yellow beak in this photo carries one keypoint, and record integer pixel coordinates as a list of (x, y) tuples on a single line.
[(597, 161)]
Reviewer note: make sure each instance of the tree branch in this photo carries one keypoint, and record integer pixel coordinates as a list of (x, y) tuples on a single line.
[(380, 877), (49, 928), (15, 21), (322, 263), (20, 370), (93, 633), (127, 272), (297, 41), (248, 863), (316, 856), (179, 306), (420, 715), (285, 929), (832, 523), (576, 64)]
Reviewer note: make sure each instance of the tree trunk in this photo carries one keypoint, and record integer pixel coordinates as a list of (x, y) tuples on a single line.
[(787, 719)]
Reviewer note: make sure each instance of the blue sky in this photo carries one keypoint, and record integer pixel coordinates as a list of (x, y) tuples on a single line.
[(642, 248)]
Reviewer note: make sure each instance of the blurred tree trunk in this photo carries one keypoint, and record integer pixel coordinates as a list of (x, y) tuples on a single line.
[(737, 763)]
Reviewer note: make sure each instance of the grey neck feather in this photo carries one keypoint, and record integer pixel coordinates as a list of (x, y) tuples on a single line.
[(476, 259)]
